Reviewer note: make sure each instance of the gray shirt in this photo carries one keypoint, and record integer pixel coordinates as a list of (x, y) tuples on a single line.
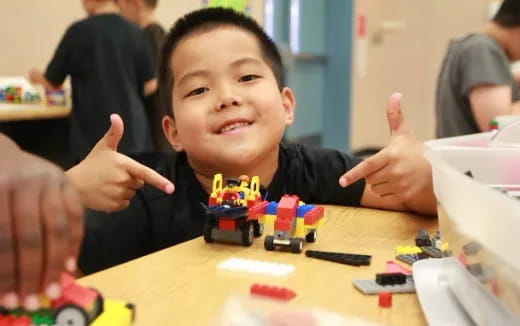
[(471, 61)]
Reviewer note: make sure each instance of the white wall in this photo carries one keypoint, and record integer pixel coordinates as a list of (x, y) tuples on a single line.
[(31, 29)]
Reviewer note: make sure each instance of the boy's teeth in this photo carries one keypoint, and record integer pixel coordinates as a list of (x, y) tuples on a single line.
[(234, 126)]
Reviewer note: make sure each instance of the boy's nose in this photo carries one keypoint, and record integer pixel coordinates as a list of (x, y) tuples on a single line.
[(228, 101)]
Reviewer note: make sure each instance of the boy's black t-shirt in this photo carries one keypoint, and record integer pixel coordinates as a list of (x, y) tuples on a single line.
[(109, 61), (155, 220)]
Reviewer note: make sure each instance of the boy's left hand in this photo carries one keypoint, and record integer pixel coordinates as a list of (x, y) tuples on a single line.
[(400, 170), (107, 180)]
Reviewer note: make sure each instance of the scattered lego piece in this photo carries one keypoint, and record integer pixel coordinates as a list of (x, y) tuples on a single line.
[(393, 267), (410, 259), (432, 251), (469, 174), (385, 299), (369, 286), (343, 258), (422, 239), (274, 292), (256, 266), (390, 278), (407, 250)]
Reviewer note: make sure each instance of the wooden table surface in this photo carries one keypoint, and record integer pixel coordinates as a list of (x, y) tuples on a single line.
[(182, 286), (17, 112)]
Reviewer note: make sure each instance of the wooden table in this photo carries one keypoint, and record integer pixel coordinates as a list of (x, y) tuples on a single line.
[(17, 112), (182, 286)]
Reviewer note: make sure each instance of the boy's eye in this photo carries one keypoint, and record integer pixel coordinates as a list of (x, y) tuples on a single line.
[(247, 78), (197, 91)]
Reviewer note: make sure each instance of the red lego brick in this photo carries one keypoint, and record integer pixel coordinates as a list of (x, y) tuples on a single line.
[(227, 224), (282, 225), (256, 210), (314, 215), (71, 292), (274, 292), (287, 206), (462, 259), (212, 201), (385, 299), (7, 320)]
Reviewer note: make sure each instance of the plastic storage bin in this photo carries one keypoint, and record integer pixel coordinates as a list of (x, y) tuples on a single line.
[(480, 221)]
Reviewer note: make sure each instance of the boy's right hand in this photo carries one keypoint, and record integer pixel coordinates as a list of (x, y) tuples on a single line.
[(107, 180)]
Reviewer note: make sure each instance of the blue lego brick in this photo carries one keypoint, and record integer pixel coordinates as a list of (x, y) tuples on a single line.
[(270, 209), (303, 209)]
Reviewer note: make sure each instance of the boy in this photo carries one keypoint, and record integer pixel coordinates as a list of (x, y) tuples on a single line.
[(109, 62), (475, 83), (141, 12), (41, 226), (222, 78)]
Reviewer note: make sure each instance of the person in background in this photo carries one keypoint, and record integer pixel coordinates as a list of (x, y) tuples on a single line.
[(476, 83), (111, 70), (41, 227), (141, 12)]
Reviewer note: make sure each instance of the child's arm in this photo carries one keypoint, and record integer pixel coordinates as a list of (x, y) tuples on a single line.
[(398, 177), (37, 77), (41, 227), (150, 87), (108, 180)]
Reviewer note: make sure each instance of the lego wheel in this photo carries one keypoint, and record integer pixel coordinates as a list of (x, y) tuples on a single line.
[(258, 228), (98, 305), (71, 315), (209, 224), (248, 234), (311, 236), (296, 245), (269, 242)]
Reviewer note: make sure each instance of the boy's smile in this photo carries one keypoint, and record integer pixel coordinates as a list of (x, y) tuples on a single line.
[(229, 113)]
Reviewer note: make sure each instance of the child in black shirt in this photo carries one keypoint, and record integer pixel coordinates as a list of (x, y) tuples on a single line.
[(222, 79)]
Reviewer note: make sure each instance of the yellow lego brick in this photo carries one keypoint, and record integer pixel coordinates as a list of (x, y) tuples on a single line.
[(115, 313), (299, 230), (407, 250), (269, 219), (445, 246)]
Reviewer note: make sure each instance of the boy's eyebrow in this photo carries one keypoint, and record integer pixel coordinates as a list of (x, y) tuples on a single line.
[(192, 74)]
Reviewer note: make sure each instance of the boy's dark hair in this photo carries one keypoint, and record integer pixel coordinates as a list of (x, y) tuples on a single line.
[(508, 14), (208, 19), (151, 3)]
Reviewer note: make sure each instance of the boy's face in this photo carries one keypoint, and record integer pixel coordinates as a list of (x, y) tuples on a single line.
[(229, 112)]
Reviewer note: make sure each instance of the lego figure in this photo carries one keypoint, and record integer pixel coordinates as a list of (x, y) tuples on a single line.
[(294, 221), (235, 213)]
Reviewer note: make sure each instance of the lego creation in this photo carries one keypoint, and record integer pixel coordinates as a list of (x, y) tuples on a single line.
[(77, 306), (293, 222), (235, 212)]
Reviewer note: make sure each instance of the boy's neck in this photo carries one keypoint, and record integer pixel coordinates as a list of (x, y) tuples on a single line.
[(146, 17), (500, 35), (107, 7), (265, 170)]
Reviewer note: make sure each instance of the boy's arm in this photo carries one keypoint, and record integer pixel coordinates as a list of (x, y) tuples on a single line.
[(108, 180), (37, 77), (399, 176), (489, 101)]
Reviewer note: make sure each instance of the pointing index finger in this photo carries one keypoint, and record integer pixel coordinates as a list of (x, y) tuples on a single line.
[(364, 169), (148, 175)]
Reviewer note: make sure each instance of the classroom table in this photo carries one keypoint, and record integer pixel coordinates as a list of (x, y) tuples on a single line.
[(18, 112), (181, 285)]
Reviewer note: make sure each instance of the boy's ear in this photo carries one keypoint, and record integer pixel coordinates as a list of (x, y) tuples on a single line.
[(170, 131), (289, 104)]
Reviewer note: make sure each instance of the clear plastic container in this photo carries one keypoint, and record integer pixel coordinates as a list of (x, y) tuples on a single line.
[(479, 217)]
